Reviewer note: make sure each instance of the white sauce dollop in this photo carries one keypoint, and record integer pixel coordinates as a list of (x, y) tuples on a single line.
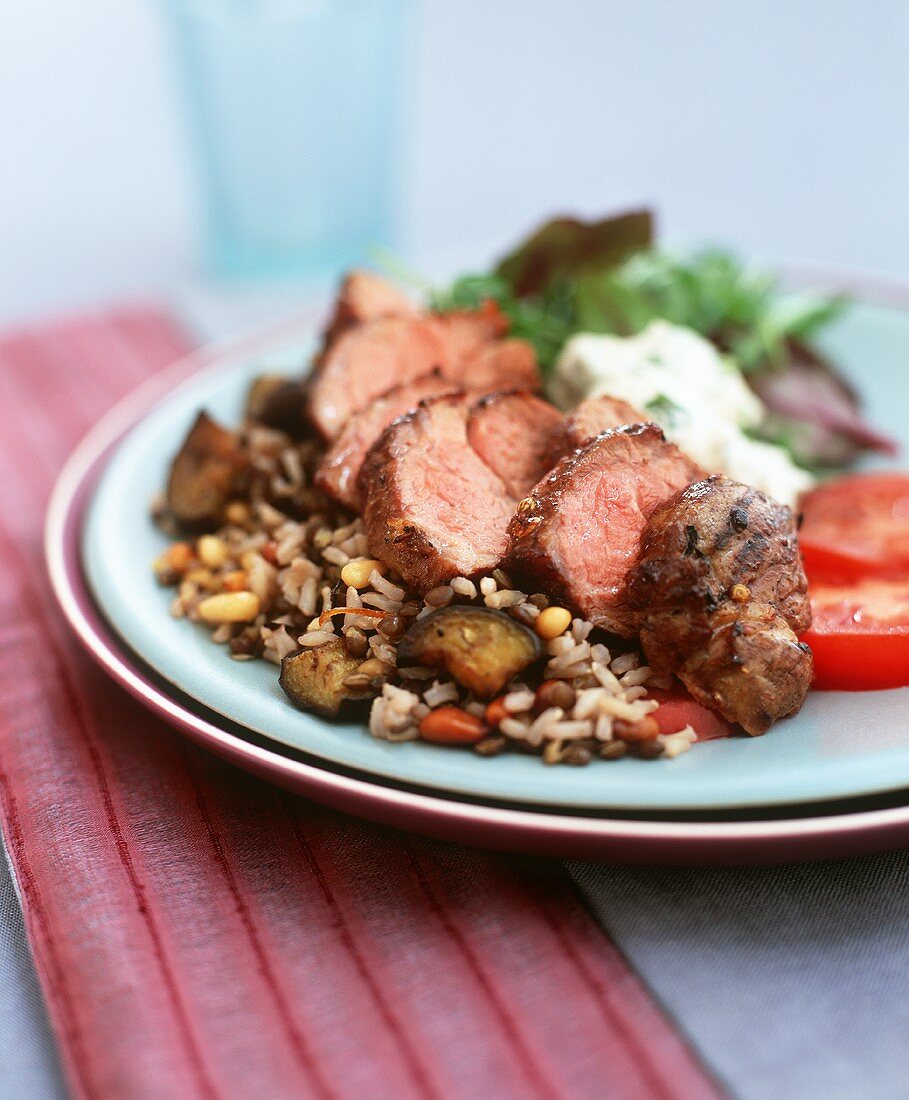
[(685, 385)]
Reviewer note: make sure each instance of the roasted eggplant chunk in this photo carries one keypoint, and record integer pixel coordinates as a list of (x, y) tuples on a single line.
[(314, 680), (481, 648), (204, 474), (277, 402)]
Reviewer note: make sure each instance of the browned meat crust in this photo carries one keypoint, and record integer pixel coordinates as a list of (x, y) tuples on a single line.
[(431, 508), (578, 533), (722, 596), (518, 436)]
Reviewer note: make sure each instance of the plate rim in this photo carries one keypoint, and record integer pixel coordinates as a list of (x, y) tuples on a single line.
[(540, 830)]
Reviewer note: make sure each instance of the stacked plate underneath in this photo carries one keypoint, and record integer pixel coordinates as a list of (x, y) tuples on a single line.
[(834, 780)]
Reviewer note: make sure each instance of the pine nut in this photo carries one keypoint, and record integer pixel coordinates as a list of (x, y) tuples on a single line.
[(212, 551), (356, 573), (552, 622), (230, 607)]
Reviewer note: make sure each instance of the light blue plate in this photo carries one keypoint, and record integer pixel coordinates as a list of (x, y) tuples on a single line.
[(840, 745)]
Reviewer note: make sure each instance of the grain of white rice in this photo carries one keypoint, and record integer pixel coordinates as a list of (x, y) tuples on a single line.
[(624, 663), (515, 727), (506, 597), (335, 555), (562, 644), (488, 586), (675, 743), (315, 637), (441, 693), (516, 701), (607, 677), (385, 587), (602, 728), (464, 587), (380, 602)]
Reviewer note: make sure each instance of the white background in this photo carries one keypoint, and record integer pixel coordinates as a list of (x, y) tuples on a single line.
[(778, 126)]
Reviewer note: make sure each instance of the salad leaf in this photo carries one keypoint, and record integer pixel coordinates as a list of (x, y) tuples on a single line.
[(610, 277), (563, 246)]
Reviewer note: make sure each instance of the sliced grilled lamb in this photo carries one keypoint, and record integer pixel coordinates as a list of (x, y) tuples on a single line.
[(464, 331), (579, 532), (371, 359), (722, 596), (339, 470), (432, 509), (518, 436), (365, 296), (595, 415), (367, 362), (501, 365)]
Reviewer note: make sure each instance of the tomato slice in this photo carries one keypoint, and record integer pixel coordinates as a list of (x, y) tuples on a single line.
[(677, 710), (860, 635), (857, 526)]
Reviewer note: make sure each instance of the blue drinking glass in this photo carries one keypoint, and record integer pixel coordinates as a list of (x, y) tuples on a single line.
[(295, 112)]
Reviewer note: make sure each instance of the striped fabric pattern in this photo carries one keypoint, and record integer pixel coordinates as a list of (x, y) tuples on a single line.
[(199, 933)]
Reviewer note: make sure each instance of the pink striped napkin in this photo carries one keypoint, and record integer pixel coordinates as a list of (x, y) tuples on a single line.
[(201, 934)]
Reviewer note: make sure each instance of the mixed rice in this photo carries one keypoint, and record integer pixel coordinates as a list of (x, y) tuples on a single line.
[(270, 582)]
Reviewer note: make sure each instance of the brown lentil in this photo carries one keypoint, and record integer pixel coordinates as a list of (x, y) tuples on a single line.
[(356, 642), (554, 693), (577, 755), (391, 627), (645, 729)]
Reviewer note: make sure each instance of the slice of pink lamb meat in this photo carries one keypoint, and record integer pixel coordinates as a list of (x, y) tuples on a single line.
[(501, 365), (363, 297), (432, 509), (518, 436), (579, 532), (595, 415), (368, 361), (339, 470)]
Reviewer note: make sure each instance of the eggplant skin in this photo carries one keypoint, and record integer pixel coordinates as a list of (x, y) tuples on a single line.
[(313, 680), (277, 402), (483, 649), (204, 474)]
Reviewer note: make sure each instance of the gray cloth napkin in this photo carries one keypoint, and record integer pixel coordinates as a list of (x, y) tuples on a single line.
[(790, 982)]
